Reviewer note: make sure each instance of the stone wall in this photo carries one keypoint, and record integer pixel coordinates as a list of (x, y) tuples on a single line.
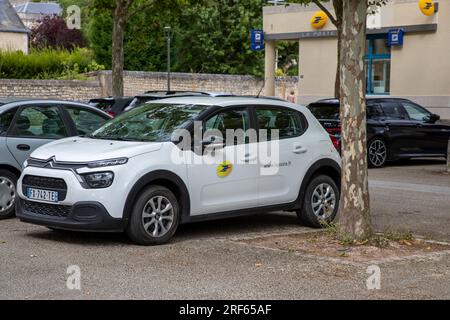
[(50, 89), (136, 82)]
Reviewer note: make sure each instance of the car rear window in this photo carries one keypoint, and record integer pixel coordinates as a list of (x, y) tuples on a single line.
[(325, 111), (102, 104)]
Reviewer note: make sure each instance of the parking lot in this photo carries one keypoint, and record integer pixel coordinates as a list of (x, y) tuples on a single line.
[(207, 260)]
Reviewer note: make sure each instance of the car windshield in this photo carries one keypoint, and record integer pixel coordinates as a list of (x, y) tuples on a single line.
[(149, 122), (325, 111)]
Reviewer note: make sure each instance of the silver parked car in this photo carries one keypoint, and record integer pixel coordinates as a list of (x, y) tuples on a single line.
[(26, 125)]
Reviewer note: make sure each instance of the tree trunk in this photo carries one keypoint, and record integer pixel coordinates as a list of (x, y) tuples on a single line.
[(354, 217), (337, 5), (337, 83), (120, 16)]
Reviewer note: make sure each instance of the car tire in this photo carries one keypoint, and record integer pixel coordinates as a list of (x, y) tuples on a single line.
[(8, 194), (155, 217), (377, 153), (321, 202)]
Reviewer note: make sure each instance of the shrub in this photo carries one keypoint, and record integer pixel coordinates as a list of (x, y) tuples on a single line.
[(47, 64), (52, 32)]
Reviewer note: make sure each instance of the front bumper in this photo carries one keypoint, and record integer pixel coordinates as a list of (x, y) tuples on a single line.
[(82, 216)]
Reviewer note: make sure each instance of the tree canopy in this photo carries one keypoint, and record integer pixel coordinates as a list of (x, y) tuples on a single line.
[(209, 36)]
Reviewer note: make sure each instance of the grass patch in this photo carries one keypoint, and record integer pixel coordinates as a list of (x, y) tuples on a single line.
[(378, 239)]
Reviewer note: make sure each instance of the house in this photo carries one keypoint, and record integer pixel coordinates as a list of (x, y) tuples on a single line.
[(407, 51), (32, 12), (13, 33)]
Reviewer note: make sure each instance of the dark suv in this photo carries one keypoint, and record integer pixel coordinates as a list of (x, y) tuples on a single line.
[(396, 129)]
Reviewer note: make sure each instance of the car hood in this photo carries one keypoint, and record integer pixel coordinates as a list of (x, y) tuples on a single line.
[(86, 150)]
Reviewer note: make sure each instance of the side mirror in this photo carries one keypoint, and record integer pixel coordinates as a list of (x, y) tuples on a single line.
[(433, 118)]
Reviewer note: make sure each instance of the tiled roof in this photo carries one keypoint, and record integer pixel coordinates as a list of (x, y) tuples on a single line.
[(39, 8), (9, 20)]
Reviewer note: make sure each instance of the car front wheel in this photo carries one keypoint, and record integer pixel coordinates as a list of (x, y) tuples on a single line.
[(8, 183), (155, 217), (377, 153), (321, 202)]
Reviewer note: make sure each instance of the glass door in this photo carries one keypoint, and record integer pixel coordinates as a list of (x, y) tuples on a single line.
[(378, 65)]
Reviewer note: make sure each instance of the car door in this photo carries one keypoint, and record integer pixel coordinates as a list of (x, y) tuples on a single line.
[(400, 130), (6, 119), (432, 137), (284, 157), (85, 120), (35, 125), (375, 120), (220, 179)]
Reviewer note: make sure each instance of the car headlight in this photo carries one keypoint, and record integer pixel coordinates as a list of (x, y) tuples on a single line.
[(99, 180), (108, 163)]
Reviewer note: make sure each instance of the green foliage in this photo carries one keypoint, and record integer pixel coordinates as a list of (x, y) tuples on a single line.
[(208, 36), (47, 64), (144, 41), (214, 37), (99, 35), (288, 52)]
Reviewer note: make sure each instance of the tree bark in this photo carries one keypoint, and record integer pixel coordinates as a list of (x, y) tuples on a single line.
[(354, 218), (120, 17), (338, 5)]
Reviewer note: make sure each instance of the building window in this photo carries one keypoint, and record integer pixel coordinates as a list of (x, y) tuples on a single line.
[(378, 64)]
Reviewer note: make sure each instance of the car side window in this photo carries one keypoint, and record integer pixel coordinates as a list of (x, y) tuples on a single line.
[(287, 122), (415, 112), (40, 122), (394, 111), (233, 119), (86, 121), (374, 112), (5, 120)]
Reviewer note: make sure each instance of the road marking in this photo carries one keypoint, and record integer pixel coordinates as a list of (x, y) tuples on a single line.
[(409, 187)]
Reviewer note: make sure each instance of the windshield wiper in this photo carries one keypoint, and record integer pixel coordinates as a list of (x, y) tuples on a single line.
[(114, 138)]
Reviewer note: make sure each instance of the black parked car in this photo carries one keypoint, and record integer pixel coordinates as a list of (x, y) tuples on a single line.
[(397, 129), (111, 105), (117, 105), (156, 95)]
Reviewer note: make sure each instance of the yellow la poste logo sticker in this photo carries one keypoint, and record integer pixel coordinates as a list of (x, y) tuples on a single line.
[(224, 169), (427, 7), (319, 19)]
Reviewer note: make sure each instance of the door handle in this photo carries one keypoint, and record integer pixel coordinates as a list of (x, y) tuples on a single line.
[(23, 147), (248, 157), (299, 150)]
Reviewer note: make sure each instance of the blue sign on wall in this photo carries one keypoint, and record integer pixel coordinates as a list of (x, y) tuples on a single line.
[(395, 37), (257, 40)]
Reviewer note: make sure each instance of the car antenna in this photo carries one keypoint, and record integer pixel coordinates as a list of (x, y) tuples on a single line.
[(263, 85)]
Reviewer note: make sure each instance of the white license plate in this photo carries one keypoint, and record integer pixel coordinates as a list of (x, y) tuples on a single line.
[(44, 195)]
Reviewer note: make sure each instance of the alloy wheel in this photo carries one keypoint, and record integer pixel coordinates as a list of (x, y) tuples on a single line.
[(158, 216), (377, 153), (323, 201), (7, 194)]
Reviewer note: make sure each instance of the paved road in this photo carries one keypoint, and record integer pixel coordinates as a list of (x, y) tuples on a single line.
[(205, 260), (413, 195)]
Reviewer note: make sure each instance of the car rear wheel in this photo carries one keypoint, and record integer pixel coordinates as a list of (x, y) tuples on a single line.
[(377, 153), (155, 217), (321, 202), (8, 183)]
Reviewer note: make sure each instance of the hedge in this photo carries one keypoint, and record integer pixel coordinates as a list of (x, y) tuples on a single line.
[(47, 64)]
